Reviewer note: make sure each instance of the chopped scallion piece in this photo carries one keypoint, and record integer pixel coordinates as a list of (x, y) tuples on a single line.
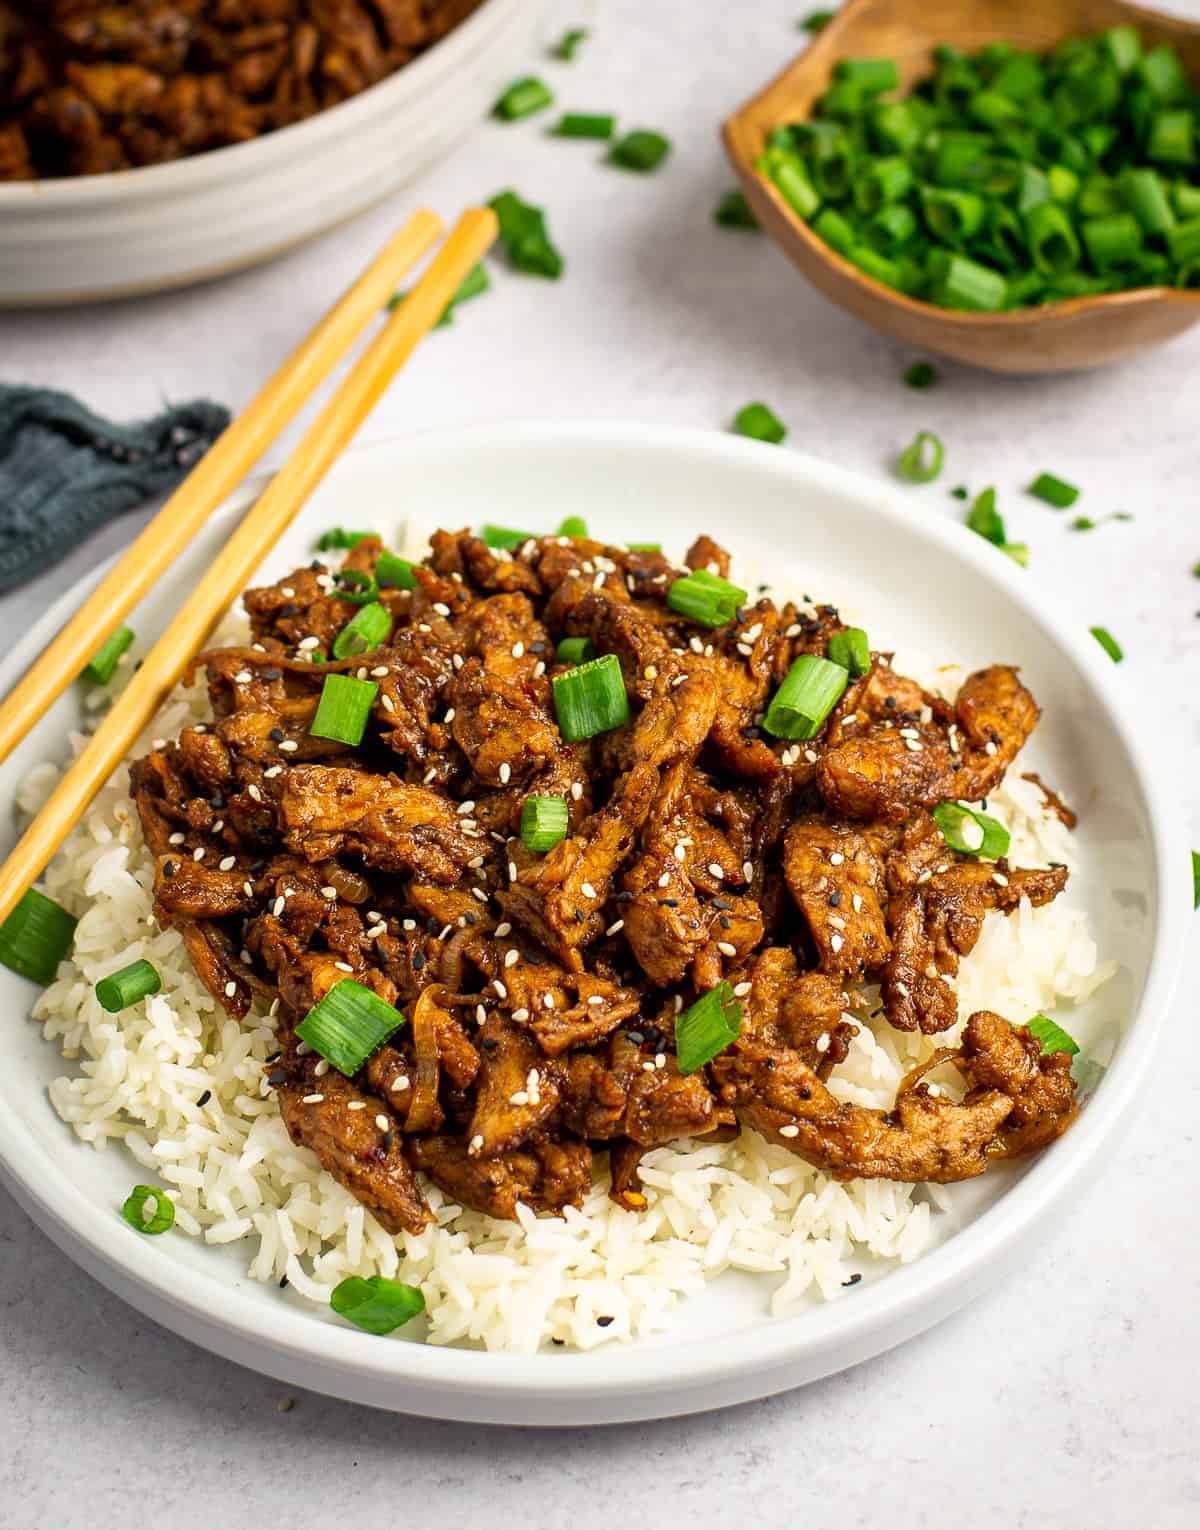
[(101, 667), (646, 547), (524, 236), (393, 573), (1055, 491), (354, 586), (349, 1024), (573, 526), (120, 989), (338, 537), (851, 650), (1196, 879), (641, 150), (376, 1303), (960, 491), (368, 630), (148, 1209), (985, 520), (543, 822), (707, 1028), (1109, 643), (971, 833), (568, 44), (504, 537), (760, 423), (522, 99), (590, 698), (1018, 552), (1052, 1036), (733, 211), (816, 21), (36, 936), (922, 374), (706, 598), (1084, 523), (597, 125), (343, 709), (921, 460), (810, 691), (575, 650), (475, 282)]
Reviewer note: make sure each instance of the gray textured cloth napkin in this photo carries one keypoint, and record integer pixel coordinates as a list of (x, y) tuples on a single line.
[(64, 470)]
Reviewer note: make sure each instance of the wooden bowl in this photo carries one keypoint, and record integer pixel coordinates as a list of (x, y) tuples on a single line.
[(1057, 337)]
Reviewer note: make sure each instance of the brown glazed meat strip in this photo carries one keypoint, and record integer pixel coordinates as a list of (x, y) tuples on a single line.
[(541, 990)]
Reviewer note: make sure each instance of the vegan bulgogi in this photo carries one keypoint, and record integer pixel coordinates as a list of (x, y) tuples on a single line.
[(88, 85), (680, 963)]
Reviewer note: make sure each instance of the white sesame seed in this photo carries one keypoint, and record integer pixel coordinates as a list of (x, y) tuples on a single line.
[(475, 1143), (446, 930), (512, 957), (158, 743), (588, 890), (678, 1003), (357, 1105), (479, 893), (748, 871), (923, 878), (836, 858), (914, 746), (466, 807), (248, 889), (595, 998), (726, 949), (651, 672), (695, 645), (519, 1097), (227, 863), (177, 838), (399, 1084), (312, 1099), (823, 1042), (449, 717), (278, 907), (441, 608), (380, 671), (598, 581), (811, 756), (999, 878), (647, 1067), (934, 1091), (547, 1001), (539, 669), (254, 792), (230, 989), (789, 1131), (520, 1014), (505, 773), (457, 660), (218, 826), (343, 966), (424, 627), (836, 942), (287, 592), (409, 924), (680, 853), (500, 988), (198, 853), (512, 871), (306, 645), (614, 929), (518, 650), (503, 929), (273, 771), (837, 922), (714, 870), (752, 632), (665, 879), (289, 746), (793, 630), (909, 733), (576, 790), (741, 990), (243, 677), (990, 747), (857, 903)]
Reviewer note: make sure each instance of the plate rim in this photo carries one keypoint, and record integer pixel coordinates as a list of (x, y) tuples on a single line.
[(932, 1286)]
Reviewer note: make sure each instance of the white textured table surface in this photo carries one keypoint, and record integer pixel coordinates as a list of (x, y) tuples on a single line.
[(1067, 1399)]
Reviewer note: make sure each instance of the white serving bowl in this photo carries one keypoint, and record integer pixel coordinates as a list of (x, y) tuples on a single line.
[(921, 580), (89, 237)]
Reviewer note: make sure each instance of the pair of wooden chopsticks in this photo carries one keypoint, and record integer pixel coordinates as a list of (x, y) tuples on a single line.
[(213, 478)]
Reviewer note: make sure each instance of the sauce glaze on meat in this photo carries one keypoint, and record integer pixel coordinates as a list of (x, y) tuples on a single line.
[(541, 990)]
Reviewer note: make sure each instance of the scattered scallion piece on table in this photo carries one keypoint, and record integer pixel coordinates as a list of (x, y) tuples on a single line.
[(851, 649), (733, 211), (810, 691), (645, 547), (1051, 1035), (960, 491), (575, 650), (375, 1303), (504, 537), (642, 150), (348, 1024), (573, 526), (543, 822), (338, 538), (475, 282), (367, 630), (120, 989), (1109, 643), (569, 43), (815, 21), (1196, 878), (922, 374), (102, 666), (525, 237), (1084, 523), (971, 833), (148, 1209), (343, 709), (922, 459), (985, 520), (394, 573), (1017, 551), (1054, 491), (595, 125), (36, 936), (590, 698), (706, 598), (707, 1028), (760, 423), (523, 98)]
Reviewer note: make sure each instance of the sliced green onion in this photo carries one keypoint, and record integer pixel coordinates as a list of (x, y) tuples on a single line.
[(475, 282), (393, 573), (835, 230), (707, 1028), (882, 181), (1172, 138), (1051, 1035), (348, 1025), (876, 265), (524, 236), (922, 374), (36, 936), (851, 650), (816, 21), (120, 989), (1196, 879), (1018, 552), (733, 211), (575, 650), (1055, 491), (504, 537), (1123, 46), (338, 537), (873, 75), (965, 284), (921, 460), (971, 833), (1084, 523), (1113, 241), (101, 667), (343, 709), (375, 1303), (952, 216), (573, 526), (786, 172), (590, 698), (985, 520), (1163, 74), (596, 125), (1052, 241), (810, 691), (543, 822), (706, 598), (960, 491), (1146, 198), (148, 1209), (1109, 643), (567, 45), (641, 150), (760, 423), (368, 630), (354, 586), (522, 99), (644, 547), (1183, 241)]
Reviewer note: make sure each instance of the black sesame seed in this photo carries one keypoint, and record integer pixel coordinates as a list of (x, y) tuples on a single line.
[(432, 926), (805, 1094), (277, 1077), (489, 1043), (636, 1036), (769, 1064), (724, 921), (604, 1322), (624, 897), (288, 610), (205, 1097), (283, 1280), (835, 898), (579, 916), (168, 868), (418, 961), (470, 918), (693, 924), (277, 735), (537, 648), (385, 1142), (889, 701), (272, 674), (853, 1280), (668, 903)]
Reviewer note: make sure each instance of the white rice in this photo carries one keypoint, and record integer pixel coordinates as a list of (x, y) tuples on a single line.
[(235, 1175)]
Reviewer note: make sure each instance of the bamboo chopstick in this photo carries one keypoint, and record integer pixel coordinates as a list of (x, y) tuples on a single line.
[(245, 549), (217, 473)]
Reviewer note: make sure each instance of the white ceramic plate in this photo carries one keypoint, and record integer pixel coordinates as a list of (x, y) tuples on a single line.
[(105, 236), (925, 582)]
